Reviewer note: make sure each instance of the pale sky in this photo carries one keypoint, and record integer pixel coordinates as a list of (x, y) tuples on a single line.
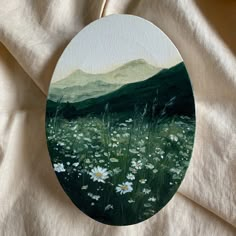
[(114, 40)]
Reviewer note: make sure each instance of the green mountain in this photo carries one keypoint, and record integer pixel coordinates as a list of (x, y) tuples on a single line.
[(80, 85), (169, 89), (80, 93)]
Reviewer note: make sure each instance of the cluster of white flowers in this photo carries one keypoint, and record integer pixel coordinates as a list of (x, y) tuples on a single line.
[(152, 199), (130, 177), (94, 197), (118, 161), (137, 164), (59, 167)]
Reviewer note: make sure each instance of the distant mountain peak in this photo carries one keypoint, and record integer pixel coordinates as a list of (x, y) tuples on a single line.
[(132, 63), (135, 62), (81, 82)]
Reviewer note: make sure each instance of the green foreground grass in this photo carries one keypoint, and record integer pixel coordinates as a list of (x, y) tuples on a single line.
[(120, 171)]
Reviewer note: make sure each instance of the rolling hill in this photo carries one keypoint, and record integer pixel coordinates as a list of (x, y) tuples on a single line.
[(80, 85), (172, 85), (80, 93)]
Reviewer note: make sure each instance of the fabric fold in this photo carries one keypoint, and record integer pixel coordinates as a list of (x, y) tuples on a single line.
[(33, 36)]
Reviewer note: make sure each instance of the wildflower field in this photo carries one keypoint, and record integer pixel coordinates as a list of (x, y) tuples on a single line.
[(120, 170), (122, 155)]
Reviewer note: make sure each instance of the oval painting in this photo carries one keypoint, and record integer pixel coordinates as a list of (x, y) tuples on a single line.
[(120, 120)]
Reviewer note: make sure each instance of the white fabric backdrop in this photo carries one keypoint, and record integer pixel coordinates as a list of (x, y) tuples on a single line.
[(33, 35)]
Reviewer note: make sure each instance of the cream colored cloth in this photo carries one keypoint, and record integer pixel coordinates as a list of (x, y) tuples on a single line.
[(33, 34)]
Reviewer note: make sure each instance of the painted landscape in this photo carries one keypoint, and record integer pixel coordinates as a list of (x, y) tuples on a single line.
[(121, 142)]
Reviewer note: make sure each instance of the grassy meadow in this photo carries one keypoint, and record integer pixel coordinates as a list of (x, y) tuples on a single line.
[(120, 168)]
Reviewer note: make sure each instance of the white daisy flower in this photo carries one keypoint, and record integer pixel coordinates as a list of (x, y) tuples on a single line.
[(173, 138), (59, 167), (96, 197), (150, 166), (124, 188), (146, 191), (99, 174), (75, 164), (131, 201), (114, 160), (137, 164), (175, 170), (84, 187), (142, 181), (152, 199), (130, 177), (108, 207)]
